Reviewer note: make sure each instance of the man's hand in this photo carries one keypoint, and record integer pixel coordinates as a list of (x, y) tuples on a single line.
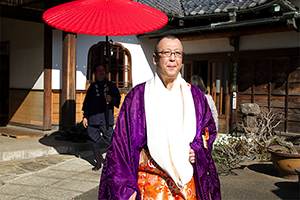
[(133, 196), (191, 155), (108, 98), (85, 122)]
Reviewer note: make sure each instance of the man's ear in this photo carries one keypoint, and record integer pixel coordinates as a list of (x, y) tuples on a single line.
[(154, 58)]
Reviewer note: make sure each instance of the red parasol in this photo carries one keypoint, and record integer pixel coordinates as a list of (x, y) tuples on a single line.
[(105, 17)]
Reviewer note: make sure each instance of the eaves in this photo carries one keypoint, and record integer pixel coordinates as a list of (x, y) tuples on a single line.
[(286, 7), (291, 19)]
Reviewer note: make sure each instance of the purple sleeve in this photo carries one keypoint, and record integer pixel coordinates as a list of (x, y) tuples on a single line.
[(205, 175), (120, 170)]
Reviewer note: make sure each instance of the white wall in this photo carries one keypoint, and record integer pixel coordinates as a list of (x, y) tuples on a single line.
[(270, 41), (140, 66), (207, 46), (252, 42), (141, 51), (26, 52), (141, 70)]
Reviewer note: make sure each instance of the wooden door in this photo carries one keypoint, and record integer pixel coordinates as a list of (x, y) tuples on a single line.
[(187, 70), (215, 75), (218, 87)]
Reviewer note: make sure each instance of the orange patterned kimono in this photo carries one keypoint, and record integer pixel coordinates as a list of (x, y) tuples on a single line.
[(155, 184)]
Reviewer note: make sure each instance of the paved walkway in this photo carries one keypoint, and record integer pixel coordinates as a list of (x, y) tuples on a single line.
[(250, 181), (46, 168), (15, 149), (257, 180), (48, 177)]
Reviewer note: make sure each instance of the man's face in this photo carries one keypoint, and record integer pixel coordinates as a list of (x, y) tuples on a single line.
[(168, 67), (100, 73)]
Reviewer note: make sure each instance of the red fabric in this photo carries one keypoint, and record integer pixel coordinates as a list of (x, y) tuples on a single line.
[(105, 17), (154, 183)]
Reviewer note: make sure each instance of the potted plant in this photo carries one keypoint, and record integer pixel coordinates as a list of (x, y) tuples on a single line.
[(259, 142), (286, 157)]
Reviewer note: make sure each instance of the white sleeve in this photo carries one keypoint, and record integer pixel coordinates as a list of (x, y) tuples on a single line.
[(213, 109)]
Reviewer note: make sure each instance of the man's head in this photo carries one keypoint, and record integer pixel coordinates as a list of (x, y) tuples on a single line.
[(167, 56), (99, 72)]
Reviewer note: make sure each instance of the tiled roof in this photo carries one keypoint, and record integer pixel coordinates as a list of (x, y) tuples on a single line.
[(200, 7), (171, 7), (183, 8), (204, 16)]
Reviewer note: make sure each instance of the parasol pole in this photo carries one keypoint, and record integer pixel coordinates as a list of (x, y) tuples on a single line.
[(107, 88)]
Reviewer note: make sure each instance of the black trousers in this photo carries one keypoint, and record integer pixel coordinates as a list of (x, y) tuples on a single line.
[(94, 132)]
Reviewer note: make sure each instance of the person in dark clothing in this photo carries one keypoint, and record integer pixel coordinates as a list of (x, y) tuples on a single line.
[(94, 107)]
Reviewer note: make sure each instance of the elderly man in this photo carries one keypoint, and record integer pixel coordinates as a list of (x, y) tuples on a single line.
[(163, 139)]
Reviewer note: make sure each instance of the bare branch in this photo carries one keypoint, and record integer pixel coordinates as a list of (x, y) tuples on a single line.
[(255, 141)]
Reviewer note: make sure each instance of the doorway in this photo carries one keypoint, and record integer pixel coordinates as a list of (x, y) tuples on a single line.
[(215, 75), (119, 62)]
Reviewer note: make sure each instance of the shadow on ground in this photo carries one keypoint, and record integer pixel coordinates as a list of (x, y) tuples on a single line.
[(264, 168), (286, 189), (70, 145)]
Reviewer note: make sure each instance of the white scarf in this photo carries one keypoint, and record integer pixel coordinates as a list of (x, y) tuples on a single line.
[(171, 126)]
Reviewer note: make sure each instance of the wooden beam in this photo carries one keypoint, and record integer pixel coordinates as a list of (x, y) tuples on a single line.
[(213, 75), (29, 3), (270, 84), (68, 95), (227, 102), (221, 88), (286, 110), (253, 81), (227, 33), (47, 78), (208, 83), (235, 42), (233, 33), (21, 13)]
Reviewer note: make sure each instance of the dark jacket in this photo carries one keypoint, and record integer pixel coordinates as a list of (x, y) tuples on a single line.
[(94, 105)]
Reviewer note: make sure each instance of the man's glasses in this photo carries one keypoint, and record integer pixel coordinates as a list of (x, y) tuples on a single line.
[(168, 53)]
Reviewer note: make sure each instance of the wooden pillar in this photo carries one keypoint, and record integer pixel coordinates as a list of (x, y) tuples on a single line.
[(270, 84), (227, 106), (253, 81), (47, 78), (68, 91), (221, 78), (213, 81), (287, 89), (234, 41), (209, 82)]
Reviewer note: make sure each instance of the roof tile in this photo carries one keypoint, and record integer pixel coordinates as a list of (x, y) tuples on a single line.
[(184, 8)]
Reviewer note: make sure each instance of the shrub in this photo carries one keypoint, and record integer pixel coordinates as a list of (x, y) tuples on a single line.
[(253, 142)]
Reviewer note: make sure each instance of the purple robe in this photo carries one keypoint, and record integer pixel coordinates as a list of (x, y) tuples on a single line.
[(120, 170)]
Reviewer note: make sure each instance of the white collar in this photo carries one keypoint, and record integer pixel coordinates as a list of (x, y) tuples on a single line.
[(171, 126)]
